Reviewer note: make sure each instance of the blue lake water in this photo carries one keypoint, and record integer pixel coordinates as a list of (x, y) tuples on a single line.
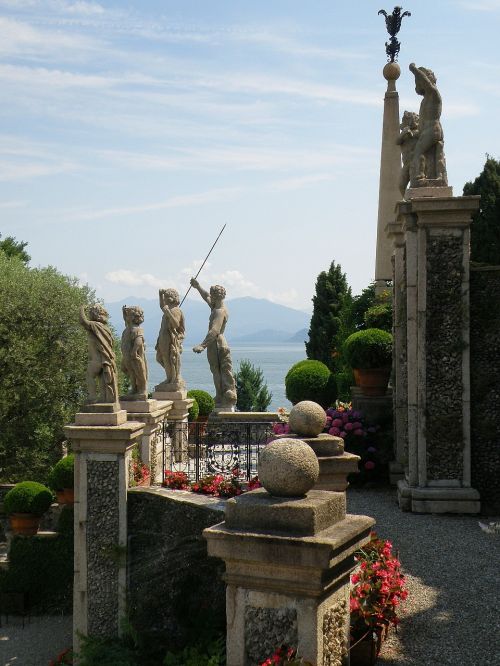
[(273, 360)]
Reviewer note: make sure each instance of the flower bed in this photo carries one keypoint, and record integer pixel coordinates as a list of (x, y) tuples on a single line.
[(216, 485)]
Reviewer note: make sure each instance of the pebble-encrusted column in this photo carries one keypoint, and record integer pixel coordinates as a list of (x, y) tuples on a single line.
[(437, 282), (289, 552), (101, 478), (399, 363), (153, 414)]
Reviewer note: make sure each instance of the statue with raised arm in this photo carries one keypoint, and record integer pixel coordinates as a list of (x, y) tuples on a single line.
[(102, 360), (407, 140), (169, 343), (218, 352), (428, 164), (133, 346)]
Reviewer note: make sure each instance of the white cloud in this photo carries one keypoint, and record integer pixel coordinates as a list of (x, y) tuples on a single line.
[(211, 196), (482, 5), (10, 171), (129, 278), (12, 204), (299, 182)]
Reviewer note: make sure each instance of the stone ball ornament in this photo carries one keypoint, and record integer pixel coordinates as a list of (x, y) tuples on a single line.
[(307, 419), (392, 71), (288, 468)]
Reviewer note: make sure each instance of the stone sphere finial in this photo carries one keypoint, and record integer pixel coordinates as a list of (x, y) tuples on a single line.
[(288, 468), (392, 71), (307, 419)]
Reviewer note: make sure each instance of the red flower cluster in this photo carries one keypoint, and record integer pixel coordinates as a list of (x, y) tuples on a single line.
[(65, 657), (377, 588), (138, 472), (285, 655), (176, 480), (212, 484)]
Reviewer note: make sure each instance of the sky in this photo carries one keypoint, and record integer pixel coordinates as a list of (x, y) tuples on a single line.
[(131, 132)]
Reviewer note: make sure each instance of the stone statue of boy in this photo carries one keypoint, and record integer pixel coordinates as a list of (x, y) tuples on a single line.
[(102, 361), (218, 352), (429, 166), (134, 363), (169, 343), (407, 140)]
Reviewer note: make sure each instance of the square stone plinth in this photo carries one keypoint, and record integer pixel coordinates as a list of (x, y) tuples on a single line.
[(334, 470), (139, 406), (169, 395), (259, 512), (97, 418)]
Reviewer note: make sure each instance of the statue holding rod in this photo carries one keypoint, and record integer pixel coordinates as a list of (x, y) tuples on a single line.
[(218, 352)]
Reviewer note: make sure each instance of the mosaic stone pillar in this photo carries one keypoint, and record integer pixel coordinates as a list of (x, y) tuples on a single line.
[(288, 564), (152, 413), (399, 363), (437, 235), (101, 478)]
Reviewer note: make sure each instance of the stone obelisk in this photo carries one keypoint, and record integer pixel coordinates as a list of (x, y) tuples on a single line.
[(390, 158)]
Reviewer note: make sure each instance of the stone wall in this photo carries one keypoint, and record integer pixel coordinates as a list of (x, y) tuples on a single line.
[(485, 385), (168, 561)]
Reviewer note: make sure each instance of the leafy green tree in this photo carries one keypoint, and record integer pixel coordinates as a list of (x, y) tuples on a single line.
[(332, 304), (361, 303), (12, 248), (485, 228), (43, 358), (253, 394)]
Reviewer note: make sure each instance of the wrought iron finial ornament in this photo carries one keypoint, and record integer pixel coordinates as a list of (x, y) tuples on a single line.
[(393, 24)]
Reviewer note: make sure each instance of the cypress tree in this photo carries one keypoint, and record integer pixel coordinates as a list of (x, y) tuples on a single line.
[(332, 304), (485, 229)]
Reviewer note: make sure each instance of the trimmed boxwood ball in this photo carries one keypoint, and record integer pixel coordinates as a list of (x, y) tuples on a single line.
[(194, 410), (206, 403), (28, 497), (311, 380), (62, 474), (371, 348)]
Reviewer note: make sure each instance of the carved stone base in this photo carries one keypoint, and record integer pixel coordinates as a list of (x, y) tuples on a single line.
[(101, 414), (139, 406), (169, 395), (428, 190), (441, 499)]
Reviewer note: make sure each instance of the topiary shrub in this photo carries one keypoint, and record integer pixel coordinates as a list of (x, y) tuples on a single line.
[(28, 497), (62, 474), (206, 403), (310, 380), (194, 410), (371, 348)]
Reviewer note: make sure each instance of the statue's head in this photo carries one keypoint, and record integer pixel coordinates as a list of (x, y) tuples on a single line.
[(170, 296), (217, 292), (133, 314), (98, 313), (410, 119)]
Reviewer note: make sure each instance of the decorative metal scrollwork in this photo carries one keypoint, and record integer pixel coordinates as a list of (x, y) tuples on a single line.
[(393, 24)]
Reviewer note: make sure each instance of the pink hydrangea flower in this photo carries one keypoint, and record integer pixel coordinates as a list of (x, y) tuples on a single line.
[(359, 432), (334, 431), (337, 423), (348, 427), (369, 464)]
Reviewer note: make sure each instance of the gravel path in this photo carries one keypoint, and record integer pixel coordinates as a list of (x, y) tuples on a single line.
[(450, 617), (41, 640), (452, 614)]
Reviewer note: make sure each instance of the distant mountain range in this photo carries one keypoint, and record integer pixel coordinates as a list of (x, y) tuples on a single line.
[(251, 320)]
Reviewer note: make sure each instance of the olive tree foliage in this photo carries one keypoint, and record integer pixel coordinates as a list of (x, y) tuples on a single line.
[(251, 388), (43, 359), (12, 248), (331, 318), (485, 228)]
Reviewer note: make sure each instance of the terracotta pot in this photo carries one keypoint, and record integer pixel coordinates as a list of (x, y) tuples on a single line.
[(24, 523), (364, 652), (61, 497), (355, 372), (69, 495), (374, 381)]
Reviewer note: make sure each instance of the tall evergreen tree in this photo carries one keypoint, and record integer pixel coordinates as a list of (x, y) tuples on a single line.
[(251, 388), (12, 248), (485, 229), (331, 318)]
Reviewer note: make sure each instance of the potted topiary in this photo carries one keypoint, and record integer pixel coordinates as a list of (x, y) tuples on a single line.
[(311, 380), (25, 504), (62, 479), (205, 402), (369, 352)]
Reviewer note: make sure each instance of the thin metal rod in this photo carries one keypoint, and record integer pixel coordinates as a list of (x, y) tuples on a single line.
[(206, 258)]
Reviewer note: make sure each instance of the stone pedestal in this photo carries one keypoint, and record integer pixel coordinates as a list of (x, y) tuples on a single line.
[(153, 414), (375, 408), (288, 563), (101, 477), (436, 273)]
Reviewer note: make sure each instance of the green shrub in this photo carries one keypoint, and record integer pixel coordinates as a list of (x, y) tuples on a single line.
[(213, 654), (379, 316), (371, 348), (62, 474), (194, 410), (310, 380), (28, 497), (96, 651), (43, 568), (205, 401)]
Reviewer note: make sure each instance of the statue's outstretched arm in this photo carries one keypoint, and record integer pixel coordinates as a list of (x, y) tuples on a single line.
[(204, 294), (421, 77)]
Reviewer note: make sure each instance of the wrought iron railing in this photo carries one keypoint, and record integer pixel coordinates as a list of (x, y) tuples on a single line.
[(198, 449)]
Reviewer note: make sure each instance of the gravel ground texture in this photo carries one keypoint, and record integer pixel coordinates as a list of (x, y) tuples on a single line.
[(452, 567), (451, 615)]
